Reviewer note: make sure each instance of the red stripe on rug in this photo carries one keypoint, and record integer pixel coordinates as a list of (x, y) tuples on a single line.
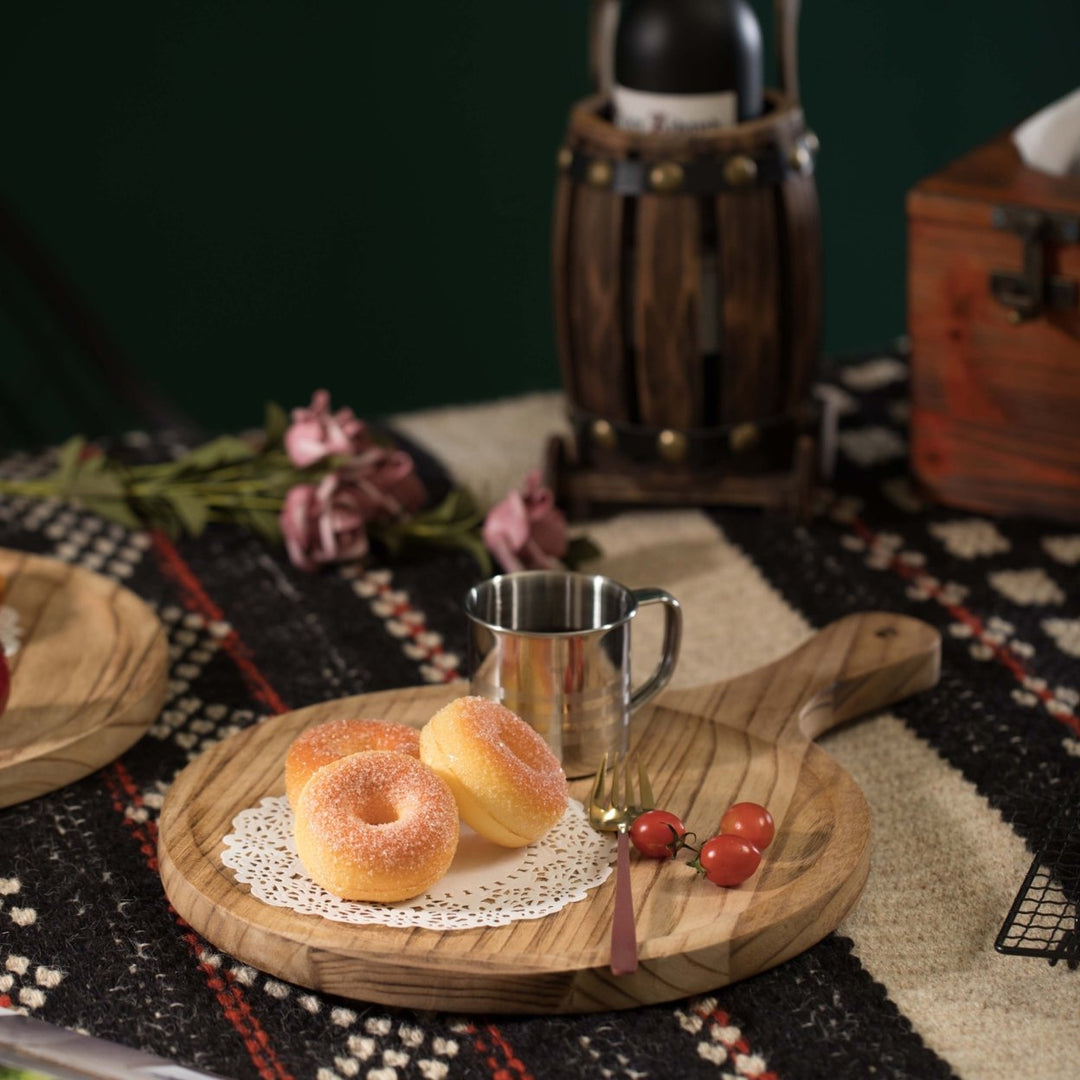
[(740, 1045), (415, 623), (195, 599), (510, 1067), (234, 1005), (1001, 653)]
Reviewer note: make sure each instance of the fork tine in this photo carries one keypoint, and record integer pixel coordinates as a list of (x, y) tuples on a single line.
[(647, 801), (613, 796), (596, 798)]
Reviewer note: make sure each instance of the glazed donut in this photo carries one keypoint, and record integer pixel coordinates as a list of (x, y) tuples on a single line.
[(377, 825), (319, 745), (508, 784)]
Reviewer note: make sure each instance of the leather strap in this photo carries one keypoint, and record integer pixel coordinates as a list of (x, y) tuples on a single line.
[(748, 445), (703, 177)]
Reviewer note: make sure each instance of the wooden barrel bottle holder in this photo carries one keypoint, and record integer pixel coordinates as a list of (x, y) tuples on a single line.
[(687, 286)]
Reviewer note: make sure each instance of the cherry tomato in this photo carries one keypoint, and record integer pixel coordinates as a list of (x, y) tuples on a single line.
[(654, 832), (750, 821), (728, 859)]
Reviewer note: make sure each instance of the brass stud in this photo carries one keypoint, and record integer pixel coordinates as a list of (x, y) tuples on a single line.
[(812, 143), (565, 158), (599, 173), (743, 437), (672, 445), (740, 171), (800, 159), (667, 176), (1015, 317), (603, 434)]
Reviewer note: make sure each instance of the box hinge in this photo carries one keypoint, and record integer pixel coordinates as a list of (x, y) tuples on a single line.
[(1031, 290)]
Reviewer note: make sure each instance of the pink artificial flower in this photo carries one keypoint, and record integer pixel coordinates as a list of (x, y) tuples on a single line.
[(316, 433), (323, 523), (327, 522), (526, 531), (386, 483)]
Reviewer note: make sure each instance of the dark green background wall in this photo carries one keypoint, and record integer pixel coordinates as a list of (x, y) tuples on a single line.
[(259, 197)]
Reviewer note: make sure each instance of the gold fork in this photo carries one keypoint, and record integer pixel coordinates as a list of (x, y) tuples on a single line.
[(610, 813)]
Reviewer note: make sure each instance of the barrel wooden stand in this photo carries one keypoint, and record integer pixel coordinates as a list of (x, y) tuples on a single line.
[(687, 288)]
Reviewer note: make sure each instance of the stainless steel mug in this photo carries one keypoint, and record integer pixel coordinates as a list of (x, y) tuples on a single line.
[(554, 647)]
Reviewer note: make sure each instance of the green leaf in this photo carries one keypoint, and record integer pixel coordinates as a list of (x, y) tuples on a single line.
[(275, 425), (457, 509), (226, 450), (67, 457), (266, 523), (113, 509), (191, 511), (94, 478), (581, 550), (442, 514), (475, 546)]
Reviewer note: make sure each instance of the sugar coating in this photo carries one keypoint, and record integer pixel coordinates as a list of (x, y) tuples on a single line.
[(376, 825), (510, 787), (319, 745)]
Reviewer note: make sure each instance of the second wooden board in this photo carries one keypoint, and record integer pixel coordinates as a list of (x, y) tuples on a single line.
[(747, 738), (88, 678)]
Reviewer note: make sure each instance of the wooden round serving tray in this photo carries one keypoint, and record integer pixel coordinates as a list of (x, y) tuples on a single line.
[(88, 679), (748, 738)]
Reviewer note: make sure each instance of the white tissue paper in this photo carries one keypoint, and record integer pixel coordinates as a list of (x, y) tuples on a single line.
[(1050, 140)]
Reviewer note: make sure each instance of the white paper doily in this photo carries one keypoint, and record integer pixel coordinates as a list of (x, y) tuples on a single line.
[(10, 630), (486, 885)]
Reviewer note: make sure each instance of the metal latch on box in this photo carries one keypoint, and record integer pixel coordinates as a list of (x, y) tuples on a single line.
[(1027, 293)]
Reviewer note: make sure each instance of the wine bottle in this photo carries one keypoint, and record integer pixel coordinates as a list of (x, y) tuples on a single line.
[(687, 65)]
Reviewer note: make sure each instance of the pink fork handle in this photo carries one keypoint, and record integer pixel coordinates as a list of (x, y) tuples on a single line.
[(623, 935)]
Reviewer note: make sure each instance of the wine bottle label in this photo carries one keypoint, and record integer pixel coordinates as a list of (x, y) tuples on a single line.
[(639, 110)]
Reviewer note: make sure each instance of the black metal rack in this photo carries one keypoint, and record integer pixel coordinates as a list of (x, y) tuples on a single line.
[(1045, 916)]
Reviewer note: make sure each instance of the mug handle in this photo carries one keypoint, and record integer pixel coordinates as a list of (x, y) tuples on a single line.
[(670, 652)]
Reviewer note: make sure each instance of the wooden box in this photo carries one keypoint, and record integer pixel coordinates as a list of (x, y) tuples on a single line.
[(994, 320)]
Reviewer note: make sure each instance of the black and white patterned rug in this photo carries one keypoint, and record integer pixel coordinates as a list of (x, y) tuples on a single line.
[(88, 940)]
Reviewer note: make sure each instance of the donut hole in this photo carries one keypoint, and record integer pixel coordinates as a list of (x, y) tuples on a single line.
[(378, 810)]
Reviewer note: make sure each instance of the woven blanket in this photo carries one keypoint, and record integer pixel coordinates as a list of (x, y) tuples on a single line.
[(961, 779)]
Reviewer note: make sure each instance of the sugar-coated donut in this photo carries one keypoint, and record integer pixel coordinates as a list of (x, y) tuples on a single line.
[(508, 784), (377, 825), (319, 745)]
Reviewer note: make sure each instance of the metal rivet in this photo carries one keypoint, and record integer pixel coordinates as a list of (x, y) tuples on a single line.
[(740, 171), (667, 176), (812, 142), (800, 159), (672, 445), (599, 173), (603, 434), (565, 158), (1015, 317), (743, 437)]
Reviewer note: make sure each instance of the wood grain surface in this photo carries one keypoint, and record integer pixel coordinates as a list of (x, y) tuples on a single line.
[(87, 681), (668, 365), (993, 404), (747, 738)]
